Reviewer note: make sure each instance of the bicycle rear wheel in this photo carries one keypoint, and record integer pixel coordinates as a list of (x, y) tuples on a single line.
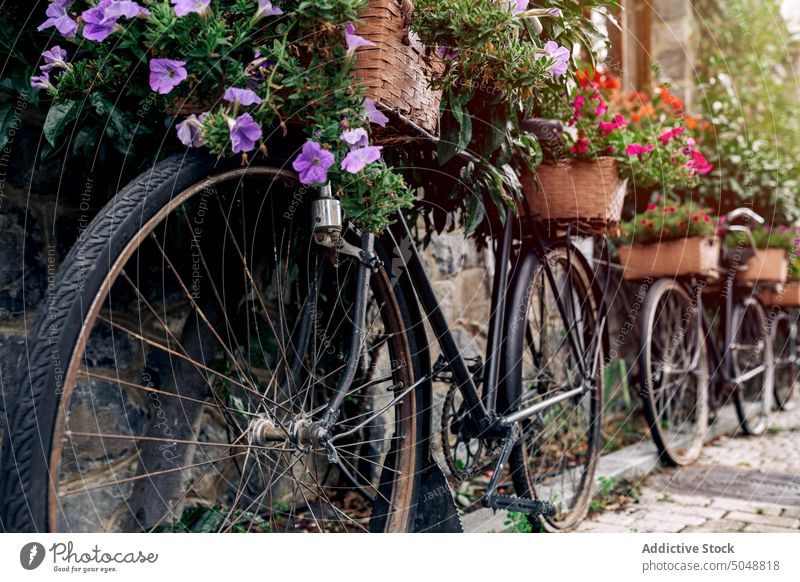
[(784, 347), (556, 457), (753, 366), (673, 368), (194, 333)]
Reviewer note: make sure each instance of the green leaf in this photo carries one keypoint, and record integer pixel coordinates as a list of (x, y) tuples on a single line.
[(61, 114), (6, 115)]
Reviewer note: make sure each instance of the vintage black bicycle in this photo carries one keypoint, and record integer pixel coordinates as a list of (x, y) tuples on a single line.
[(688, 365), (223, 350)]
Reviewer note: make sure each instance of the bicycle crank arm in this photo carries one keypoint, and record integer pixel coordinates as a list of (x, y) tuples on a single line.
[(496, 501)]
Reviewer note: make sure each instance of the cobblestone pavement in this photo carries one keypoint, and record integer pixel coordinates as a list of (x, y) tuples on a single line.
[(762, 494)]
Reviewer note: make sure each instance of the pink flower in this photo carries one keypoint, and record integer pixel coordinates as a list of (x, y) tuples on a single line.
[(356, 160), (699, 164), (602, 106), (608, 126), (578, 105), (671, 133), (636, 149)]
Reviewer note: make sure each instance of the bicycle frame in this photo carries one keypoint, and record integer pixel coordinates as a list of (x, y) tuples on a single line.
[(723, 369), (482, 407)]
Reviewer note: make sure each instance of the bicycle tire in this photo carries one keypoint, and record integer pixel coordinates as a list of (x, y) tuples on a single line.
[(27, 502), (531, 468), (665, 301)]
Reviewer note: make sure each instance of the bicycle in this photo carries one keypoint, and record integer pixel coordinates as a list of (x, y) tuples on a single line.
[(783, 335), (222, 351), (680, 360)]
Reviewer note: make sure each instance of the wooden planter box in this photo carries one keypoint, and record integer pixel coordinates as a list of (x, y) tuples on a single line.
[(697, 256), (767, 266), (576, 190), (395, 71), (788, 296)]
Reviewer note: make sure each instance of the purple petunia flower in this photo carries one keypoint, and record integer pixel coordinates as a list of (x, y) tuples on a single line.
[(374, 115), (356, 160), (55, 58), (355, 138), (241, 96), (184, 7), (189, 131), (447, 53), (265, 8), (520, 6), (125, 9), (101, 21), (166, 74), (559, 54), (312, 164), (245, 132), (353, 40), (58, 18), (41, 82)]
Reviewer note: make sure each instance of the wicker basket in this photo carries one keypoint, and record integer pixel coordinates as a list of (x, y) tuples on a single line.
[(395, 71), (788, 296), (767, 266), (586, 191), (697, 256)]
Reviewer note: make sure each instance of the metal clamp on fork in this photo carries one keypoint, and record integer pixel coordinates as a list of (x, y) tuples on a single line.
[(326, 214)]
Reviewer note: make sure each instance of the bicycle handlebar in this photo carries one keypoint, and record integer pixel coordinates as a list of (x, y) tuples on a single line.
[(744, 212)]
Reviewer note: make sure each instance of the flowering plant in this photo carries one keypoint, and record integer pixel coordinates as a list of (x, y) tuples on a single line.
[(498, 59), (256, 68), (666, 221), (648, 136)]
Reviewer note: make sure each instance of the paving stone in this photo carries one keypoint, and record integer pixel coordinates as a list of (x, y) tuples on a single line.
[(692, 510), (756, 507), (788, 522), (761, 528), (717, 526)]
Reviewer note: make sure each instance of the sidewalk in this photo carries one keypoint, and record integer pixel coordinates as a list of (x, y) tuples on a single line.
[(748, 484)]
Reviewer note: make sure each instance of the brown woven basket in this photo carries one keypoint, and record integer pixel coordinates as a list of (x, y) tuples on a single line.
[(395, 71), (688, 256), (587, 191), (787, 296), (767, 266)]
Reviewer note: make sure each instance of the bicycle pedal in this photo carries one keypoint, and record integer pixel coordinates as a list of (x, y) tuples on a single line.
[(522, 505)]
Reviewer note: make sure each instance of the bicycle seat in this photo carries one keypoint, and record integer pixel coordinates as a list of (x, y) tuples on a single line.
[(545, 130)]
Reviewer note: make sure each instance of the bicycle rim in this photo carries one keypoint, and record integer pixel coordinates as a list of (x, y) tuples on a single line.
[(220, 315)]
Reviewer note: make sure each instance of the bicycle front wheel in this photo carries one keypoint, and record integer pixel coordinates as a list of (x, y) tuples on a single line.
[(673, 368), (193, 336), (752, 366), (549, 352)]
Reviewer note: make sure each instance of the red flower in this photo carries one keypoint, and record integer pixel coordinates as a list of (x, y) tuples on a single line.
[(651, 206), (580, 147)]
